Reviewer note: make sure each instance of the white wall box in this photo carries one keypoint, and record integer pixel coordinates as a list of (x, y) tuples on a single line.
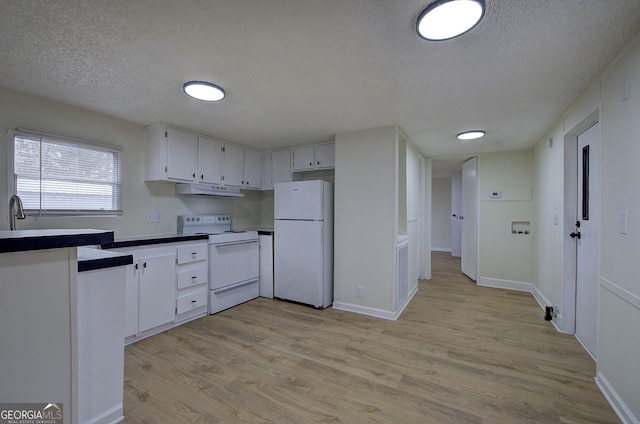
[(170, 154), (316, 156), (520, 227)]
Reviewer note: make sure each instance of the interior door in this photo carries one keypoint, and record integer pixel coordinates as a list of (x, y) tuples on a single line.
[(456, 212), (469, 261), (587, 236)]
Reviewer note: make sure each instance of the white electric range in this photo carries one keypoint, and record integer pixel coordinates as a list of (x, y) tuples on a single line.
[(233, 259)]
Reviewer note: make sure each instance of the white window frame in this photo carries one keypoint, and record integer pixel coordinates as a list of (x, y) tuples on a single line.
[(11, 177)]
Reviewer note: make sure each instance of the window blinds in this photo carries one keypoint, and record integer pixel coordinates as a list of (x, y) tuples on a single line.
[(63, 176)]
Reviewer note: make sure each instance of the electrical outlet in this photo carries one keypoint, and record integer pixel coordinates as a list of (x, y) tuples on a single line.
[(158, 216), (359, 291), (150, 217)]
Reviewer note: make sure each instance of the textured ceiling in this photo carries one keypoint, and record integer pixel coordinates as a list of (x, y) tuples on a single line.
[(299, 71)]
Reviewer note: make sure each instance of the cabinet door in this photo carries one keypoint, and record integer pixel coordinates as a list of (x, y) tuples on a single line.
[(303, 158), (209, 160), (131, 300), (325, 155), (181, 155), (157, 291), (252, 168), (266, 183), (281, 166), (233, 165)]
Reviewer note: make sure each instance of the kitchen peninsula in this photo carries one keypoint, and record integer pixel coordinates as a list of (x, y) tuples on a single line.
[(70, 314)]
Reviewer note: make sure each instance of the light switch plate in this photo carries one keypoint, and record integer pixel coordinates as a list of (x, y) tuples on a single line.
[(624, 225)]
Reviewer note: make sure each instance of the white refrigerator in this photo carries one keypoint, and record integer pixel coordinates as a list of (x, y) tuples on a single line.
[(303, 242)]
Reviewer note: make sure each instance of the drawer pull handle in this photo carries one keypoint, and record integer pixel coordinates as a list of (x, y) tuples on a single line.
[(194, 301)]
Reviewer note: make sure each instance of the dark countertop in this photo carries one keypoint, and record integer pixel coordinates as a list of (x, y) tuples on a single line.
[(149, 240), (90, 259), (25, 240)]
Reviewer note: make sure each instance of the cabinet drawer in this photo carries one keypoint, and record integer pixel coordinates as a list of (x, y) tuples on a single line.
[(192, 253), (192, 300), (192, 276)]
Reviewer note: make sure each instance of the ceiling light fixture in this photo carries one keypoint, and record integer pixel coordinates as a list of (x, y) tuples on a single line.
[(205, 91), (447, 19), (471, 135)]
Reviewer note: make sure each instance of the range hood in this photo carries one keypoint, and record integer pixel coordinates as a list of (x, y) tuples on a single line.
[(200, 189)]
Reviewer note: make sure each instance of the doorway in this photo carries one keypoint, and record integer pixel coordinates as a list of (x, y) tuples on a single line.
[(587, 237), (581, 271), (469, 260)]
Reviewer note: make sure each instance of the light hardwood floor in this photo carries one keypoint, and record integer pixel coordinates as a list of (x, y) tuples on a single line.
[(458, 354)]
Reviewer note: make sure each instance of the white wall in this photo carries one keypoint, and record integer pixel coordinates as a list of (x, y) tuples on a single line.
[(365, 218), (441, 214), (413, 212), (619, 341), (21, 111), (505, 258)]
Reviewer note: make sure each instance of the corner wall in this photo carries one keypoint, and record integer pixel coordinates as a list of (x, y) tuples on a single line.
[(365, 228), (618, 374)]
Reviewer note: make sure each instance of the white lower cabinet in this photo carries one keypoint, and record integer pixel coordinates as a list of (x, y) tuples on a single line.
[(100, 345), (167, 285), (150, 290), (192, 288), (156, 291), (266, 266)]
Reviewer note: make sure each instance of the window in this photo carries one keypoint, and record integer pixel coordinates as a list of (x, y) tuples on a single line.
[(59, 176)]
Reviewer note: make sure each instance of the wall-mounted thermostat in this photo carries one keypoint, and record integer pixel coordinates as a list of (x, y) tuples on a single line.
[(495, 194)]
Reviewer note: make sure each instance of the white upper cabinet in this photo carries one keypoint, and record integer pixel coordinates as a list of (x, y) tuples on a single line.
[(171, 154), (180, 156), (317, 156), (210, 160), (304, 158), (276, 168), (281, 166), (233, 165), (252, 168), (242, 167), (325, 156)]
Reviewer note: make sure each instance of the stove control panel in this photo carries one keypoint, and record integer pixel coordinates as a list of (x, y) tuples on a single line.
[(209, 223)]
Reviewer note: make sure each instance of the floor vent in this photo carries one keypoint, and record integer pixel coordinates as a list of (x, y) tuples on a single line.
[(402, 276)]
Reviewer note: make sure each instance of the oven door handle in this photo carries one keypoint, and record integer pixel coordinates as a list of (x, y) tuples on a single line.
[(234, 243), (235, 286)]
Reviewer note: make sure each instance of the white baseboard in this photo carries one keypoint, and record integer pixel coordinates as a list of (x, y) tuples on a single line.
[(618, 406), (441, 249), (505, 284), (374, 312)]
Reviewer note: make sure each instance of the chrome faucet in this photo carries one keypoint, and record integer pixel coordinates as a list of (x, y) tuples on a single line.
[(15, 203)]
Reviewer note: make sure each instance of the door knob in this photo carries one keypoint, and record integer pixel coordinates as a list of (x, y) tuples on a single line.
[(574, 235)]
